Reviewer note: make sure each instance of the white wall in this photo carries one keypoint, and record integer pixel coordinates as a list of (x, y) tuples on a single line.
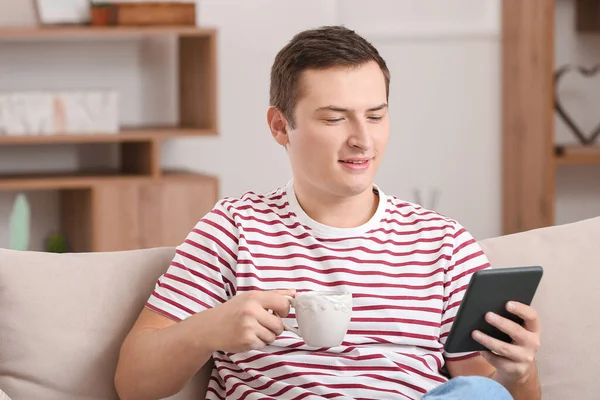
[(445, 99), (444, 60), (578, 187)]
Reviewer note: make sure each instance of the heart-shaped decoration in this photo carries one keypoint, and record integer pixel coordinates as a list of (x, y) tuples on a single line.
[(583, 137)]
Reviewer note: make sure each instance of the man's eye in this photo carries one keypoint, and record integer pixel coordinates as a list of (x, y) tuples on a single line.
[(334, 120), (375, 117)]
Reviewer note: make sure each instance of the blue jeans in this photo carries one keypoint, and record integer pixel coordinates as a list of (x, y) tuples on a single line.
[(469, 387)]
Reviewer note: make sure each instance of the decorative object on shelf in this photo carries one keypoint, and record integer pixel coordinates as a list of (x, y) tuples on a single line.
[(57, 243), (102, 14), (48, 113), (583, 137), (144, 13), (18, 13), (63, 11), (20, 228)]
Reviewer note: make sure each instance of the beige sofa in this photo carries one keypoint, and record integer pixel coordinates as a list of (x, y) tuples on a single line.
[(63, 317)]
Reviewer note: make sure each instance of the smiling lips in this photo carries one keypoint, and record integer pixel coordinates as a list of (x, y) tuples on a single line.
[(356, 164)]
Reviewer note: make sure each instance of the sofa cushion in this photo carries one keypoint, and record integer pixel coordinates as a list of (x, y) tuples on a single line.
[(63, 319), (567, 302)]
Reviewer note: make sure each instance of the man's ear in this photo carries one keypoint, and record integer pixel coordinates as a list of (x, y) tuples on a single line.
[(278, 125)]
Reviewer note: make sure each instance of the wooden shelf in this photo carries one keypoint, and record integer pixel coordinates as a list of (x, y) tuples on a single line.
[(86, 180), (132, 206), (60, 180), (577, 155), (127, 135), (77, 32)]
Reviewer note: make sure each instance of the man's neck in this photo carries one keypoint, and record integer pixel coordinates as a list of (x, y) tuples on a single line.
[(337, 211)]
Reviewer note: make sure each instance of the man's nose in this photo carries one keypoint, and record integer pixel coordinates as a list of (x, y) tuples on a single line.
[(360, 136)]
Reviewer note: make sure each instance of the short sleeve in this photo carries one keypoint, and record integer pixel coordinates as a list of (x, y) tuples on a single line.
[(467, 258), (202, 272)]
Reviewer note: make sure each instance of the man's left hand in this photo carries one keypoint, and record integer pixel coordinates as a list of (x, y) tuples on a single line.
[(514, 361)]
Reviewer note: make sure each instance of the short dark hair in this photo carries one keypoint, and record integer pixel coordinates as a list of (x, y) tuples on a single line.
[(321, 48)]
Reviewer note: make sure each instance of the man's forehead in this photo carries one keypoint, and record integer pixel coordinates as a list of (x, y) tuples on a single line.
[(368, 71), (326, 86)]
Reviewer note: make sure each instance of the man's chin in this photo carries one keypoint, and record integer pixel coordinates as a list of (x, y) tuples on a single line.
[(356, 188)]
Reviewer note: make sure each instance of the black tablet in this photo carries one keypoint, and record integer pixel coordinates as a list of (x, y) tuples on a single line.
[(490, 290)]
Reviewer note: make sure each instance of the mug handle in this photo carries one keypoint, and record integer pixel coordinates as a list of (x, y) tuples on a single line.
[(285, 326)]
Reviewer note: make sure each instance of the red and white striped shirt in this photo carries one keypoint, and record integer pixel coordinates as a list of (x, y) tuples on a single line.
[(407, 268)]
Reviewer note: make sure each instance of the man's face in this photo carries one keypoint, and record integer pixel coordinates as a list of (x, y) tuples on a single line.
[(341, 130)]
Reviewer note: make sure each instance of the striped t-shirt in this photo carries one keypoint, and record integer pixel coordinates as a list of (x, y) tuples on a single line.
[(407, 269)]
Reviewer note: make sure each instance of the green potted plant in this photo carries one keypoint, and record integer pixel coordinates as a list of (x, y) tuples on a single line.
[(56, 243)]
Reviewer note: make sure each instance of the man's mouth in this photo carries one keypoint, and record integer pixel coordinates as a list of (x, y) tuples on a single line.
[(356, 164), (356, 161)]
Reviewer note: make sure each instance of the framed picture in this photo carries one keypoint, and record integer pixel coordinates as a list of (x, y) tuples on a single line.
[(18, 13), (63, 11)]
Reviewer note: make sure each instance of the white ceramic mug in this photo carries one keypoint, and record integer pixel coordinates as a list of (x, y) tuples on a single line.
[(323, 317)]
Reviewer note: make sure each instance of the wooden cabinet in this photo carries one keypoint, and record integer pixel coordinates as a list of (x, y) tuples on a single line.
[(148, 214), (135, 214)]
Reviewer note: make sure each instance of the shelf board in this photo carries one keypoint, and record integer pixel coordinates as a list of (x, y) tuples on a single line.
[(577, 155), (84, 31), (60, 181), (127, 135)]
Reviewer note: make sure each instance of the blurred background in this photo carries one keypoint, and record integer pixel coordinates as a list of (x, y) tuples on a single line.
[(474, 128)]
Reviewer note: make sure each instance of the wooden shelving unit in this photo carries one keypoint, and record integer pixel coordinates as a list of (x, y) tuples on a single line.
[(530, 156), (138, 205)]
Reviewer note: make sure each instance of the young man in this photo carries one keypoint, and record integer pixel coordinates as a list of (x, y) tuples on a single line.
[(330, 228)]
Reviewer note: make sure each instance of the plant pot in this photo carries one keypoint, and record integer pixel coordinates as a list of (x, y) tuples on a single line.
[(102, 15)]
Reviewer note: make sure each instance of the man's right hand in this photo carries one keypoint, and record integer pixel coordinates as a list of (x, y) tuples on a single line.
[(244, 323)]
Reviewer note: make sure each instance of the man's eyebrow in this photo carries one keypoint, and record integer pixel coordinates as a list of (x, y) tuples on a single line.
[(379, 107), (341, 109), (332, 108)]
